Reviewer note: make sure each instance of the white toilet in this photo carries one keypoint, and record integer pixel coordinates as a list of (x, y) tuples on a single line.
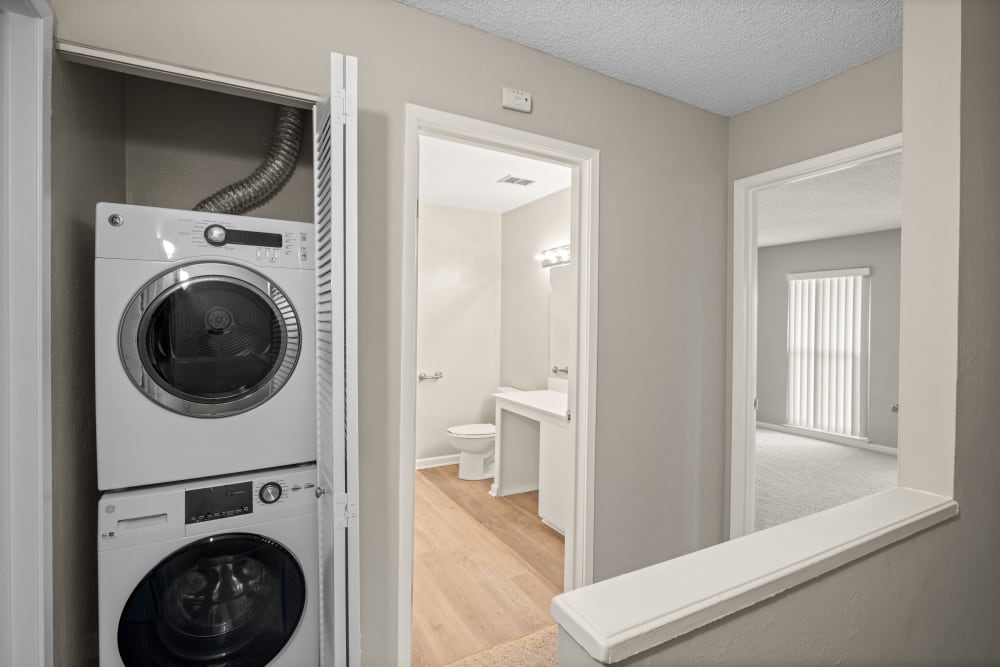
[(475, 442)]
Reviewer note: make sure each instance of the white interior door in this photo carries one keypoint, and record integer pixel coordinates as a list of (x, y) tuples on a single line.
[(336, 356)]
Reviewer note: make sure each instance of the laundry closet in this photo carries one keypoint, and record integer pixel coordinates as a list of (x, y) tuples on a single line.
[(123, 137)]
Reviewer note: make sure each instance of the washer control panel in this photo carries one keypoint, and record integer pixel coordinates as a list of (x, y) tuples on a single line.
[(218, 502), (204, 507)]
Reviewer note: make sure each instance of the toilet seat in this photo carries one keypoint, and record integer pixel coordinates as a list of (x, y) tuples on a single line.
[(473, 431)]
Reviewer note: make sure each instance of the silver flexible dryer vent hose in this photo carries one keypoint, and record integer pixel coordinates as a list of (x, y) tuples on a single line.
[(267, 179)]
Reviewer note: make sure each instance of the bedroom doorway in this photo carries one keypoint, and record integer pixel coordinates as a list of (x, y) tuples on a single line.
[(815, 334)]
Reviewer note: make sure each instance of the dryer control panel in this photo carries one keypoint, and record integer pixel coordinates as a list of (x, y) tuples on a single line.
[(125, 231)]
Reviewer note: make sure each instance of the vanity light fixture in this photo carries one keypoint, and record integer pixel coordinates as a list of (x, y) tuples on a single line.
[(554, 257)]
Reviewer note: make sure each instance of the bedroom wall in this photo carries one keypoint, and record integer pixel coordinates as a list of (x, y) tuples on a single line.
[(663, 185), (878, 250)]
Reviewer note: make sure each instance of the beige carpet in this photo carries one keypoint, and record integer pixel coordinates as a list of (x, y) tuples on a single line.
[(798, 476), (539, 649)]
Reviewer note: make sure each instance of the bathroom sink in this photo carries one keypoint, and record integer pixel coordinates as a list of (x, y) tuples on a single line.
[(542, 404)]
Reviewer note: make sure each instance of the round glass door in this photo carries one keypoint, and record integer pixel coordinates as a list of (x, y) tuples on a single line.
[(209, 340), (224, 601)]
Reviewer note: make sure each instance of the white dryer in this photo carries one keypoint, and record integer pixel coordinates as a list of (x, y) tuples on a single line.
[(222, 573), (204, 344)]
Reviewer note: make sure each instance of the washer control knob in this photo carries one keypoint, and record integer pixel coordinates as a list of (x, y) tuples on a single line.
[(215, 234), (270, 492)]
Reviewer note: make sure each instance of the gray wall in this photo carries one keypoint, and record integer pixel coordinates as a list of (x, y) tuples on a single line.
[(183, 144), (524, 320), (88, 165), (880, 251), (662, 244), (931, 599)]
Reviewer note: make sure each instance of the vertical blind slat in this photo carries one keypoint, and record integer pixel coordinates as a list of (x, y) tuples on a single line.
[(825, 335)]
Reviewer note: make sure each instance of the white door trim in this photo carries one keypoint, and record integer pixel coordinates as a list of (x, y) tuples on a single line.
[(744, 314), (25, 334), (184, 76), (584, 162)]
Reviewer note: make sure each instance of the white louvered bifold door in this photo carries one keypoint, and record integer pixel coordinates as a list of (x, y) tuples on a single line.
[(335, 170), (828, 351)]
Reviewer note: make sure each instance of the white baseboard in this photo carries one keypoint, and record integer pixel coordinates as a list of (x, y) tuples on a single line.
[(437, 461), (860, 443), (511, 490)]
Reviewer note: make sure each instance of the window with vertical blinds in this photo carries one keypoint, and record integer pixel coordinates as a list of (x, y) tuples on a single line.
[(828, 351)]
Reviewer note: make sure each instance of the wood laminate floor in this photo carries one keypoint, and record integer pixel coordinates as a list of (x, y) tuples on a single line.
[(484, 569)]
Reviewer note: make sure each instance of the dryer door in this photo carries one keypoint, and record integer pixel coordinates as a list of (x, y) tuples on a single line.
[(209, 339), (226, 601)]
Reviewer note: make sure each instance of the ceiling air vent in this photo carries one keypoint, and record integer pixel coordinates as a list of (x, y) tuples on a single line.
[(514, 180)]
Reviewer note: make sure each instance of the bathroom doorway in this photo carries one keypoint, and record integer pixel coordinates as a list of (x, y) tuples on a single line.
[(497, 386)]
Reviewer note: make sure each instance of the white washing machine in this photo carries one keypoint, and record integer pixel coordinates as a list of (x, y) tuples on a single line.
[(204, 349), (223, 573)]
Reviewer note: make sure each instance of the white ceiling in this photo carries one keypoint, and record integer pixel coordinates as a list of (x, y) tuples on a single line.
[(727, 56), (865, 198), (463, 176)]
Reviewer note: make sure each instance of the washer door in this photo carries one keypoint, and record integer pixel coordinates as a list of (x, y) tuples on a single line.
[(209, 339), (224, 601)]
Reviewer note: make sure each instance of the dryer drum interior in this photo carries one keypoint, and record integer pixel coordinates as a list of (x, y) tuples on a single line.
[(209, 340), (232, 600)]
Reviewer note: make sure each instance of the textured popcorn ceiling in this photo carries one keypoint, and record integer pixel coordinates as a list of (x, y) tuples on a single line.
[(865, 198), (727, 56)]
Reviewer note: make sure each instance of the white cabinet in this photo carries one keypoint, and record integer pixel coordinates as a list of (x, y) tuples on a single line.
[(555, 475), (515, 471)]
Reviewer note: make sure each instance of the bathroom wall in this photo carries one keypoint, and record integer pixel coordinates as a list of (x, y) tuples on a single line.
[(183, 144), (562, 317), (458, 322), (88, 165), (524, 342), (880, 251)]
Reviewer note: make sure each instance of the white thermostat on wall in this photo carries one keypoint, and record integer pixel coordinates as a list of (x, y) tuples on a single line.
[(516, 100)]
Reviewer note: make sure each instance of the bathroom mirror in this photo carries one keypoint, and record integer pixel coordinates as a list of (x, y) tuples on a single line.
[(561, 294)]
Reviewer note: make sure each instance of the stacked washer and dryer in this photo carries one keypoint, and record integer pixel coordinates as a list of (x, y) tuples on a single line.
[(206, 422)]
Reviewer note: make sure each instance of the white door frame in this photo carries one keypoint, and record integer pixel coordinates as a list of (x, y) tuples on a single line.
[(743, 417), (25, 334), (584, 163)]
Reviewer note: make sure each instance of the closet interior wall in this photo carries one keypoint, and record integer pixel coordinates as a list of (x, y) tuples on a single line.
[(123, 138)]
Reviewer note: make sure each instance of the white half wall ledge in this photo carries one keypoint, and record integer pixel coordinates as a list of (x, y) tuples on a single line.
[(621, 617)]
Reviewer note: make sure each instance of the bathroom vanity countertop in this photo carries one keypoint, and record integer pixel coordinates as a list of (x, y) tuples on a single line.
[(546, 404)]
